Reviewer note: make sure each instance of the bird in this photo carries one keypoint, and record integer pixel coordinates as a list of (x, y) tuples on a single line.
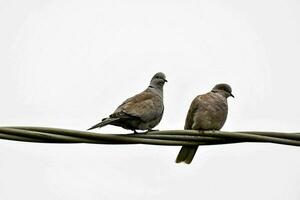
[(141, 112), (207, 112)]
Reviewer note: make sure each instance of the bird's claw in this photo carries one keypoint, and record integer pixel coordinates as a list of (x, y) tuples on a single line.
[(151, 130)]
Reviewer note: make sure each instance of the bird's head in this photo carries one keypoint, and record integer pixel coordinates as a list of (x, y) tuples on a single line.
[(158, 80), (223, 89)]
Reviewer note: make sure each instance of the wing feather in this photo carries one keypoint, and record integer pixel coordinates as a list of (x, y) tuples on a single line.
[(145, 105)]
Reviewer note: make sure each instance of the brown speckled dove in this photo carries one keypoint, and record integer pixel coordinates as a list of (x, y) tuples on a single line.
[(142, 111), (207, 112)]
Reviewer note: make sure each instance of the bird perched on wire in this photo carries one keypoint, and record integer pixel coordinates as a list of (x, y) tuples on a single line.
[(207, 112), (141, 112)]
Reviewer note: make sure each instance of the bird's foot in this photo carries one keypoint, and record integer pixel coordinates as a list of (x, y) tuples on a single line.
[(151, 130)]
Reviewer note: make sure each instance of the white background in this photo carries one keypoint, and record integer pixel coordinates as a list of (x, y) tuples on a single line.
[(70, 63)]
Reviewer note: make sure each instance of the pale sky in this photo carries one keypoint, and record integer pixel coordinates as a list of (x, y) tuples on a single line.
[(68, 64)]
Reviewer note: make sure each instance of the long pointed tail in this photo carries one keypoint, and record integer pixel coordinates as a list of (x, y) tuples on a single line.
[(186, 154), (104, 122)]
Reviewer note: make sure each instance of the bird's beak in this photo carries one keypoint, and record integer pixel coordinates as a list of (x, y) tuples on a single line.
[(231, 95), (165, 80)]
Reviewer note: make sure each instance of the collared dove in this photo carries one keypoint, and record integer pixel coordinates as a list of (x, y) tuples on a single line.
[(207, 112), (142, 111)]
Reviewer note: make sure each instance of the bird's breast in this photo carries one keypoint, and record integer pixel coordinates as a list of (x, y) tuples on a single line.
[(211, 113)]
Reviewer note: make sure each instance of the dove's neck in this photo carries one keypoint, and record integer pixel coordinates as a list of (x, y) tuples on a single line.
[(220, 92), (156, 90)]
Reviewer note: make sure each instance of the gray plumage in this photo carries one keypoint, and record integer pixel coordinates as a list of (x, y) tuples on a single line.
[(207, 112), (141, 112)]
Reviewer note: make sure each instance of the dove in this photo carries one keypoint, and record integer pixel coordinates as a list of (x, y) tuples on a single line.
[(207, 112), (141, 112)]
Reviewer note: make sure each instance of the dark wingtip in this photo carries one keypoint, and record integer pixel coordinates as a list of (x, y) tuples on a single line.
[(104, 122), (90, 128), (93, 127)]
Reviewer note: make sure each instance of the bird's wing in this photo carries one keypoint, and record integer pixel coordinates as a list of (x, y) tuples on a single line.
[(145, 105), (199, 106), (189, 120)]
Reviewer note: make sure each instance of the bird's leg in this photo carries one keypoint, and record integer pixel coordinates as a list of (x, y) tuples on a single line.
[(215, 130), (150, 130)]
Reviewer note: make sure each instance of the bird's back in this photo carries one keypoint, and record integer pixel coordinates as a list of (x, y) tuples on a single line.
[(145, 105), (142, 111)]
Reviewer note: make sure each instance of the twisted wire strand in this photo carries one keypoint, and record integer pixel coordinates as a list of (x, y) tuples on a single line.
[(164, 137)]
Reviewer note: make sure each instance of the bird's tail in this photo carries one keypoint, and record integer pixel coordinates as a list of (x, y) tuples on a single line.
[(186, 154), (104, 122)]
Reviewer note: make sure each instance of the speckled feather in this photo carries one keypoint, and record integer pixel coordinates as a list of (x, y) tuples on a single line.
[(207, 112), (146, 106), (142, 111)]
